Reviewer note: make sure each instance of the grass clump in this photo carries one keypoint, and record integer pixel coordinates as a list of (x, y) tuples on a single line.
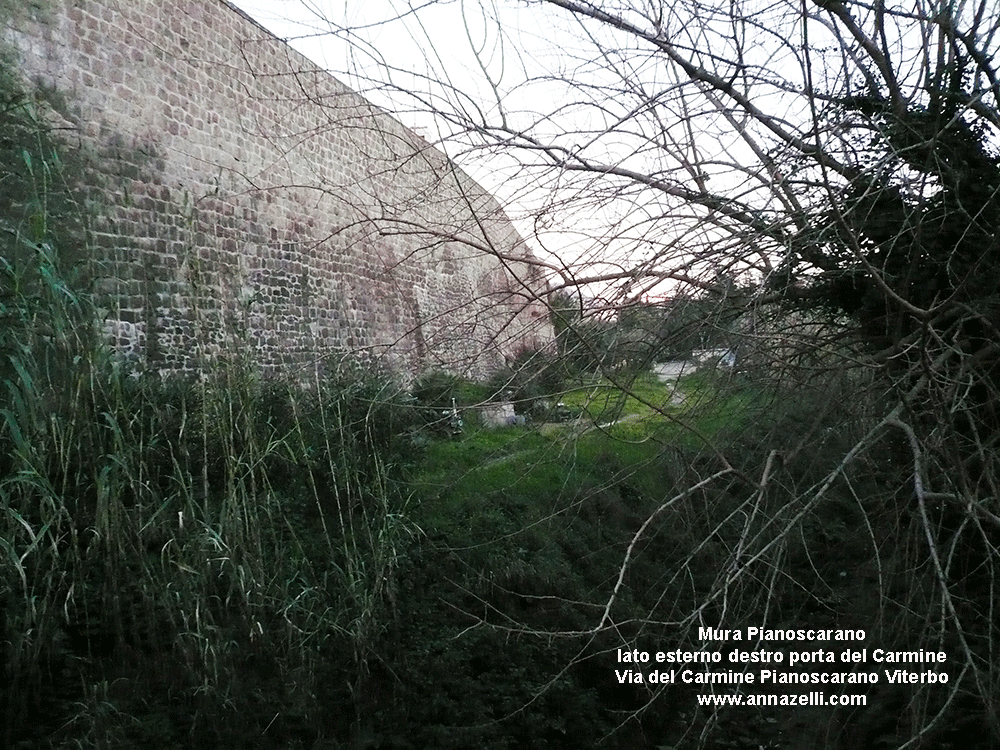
[(193, 553), (202, 563)]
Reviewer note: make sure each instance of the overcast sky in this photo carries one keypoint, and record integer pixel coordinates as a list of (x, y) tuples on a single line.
[(387, 41), (443, 54), (608, 147), (478, 57), (587, 93)]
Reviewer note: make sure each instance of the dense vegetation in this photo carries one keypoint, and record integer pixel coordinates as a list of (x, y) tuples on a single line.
[(237, 562)]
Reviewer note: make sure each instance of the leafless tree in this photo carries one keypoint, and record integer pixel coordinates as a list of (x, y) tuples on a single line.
[(840, 159)]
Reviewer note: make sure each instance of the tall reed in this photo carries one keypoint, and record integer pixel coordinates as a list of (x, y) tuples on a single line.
[(180, 560)]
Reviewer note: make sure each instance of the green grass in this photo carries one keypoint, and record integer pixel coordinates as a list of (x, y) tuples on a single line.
[(688, 412), (545, 469), (602, 400)]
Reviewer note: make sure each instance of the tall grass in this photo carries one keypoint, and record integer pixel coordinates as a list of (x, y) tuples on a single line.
[(212, 540), (180, 561)]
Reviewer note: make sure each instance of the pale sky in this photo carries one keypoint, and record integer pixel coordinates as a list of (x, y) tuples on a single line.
[(607, 113), (443, 54), (597, 114), (388, 42)]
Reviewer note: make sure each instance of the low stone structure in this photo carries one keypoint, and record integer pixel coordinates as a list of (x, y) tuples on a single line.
[(498, 415), (251, 205)]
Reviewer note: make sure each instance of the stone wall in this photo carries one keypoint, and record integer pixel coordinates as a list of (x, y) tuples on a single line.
[(252, 205)]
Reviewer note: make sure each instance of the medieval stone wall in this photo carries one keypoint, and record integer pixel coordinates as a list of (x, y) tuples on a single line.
[(252, 205)]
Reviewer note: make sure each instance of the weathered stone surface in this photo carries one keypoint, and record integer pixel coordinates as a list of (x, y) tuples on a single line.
[(254, 206)]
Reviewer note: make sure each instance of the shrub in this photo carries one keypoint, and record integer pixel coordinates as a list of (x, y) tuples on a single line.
[(533, 379)]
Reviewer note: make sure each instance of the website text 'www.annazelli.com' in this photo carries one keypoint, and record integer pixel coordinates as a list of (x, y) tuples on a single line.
[(765, 699)]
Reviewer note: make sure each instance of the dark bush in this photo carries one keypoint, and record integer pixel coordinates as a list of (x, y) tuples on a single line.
[(533, 380)]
